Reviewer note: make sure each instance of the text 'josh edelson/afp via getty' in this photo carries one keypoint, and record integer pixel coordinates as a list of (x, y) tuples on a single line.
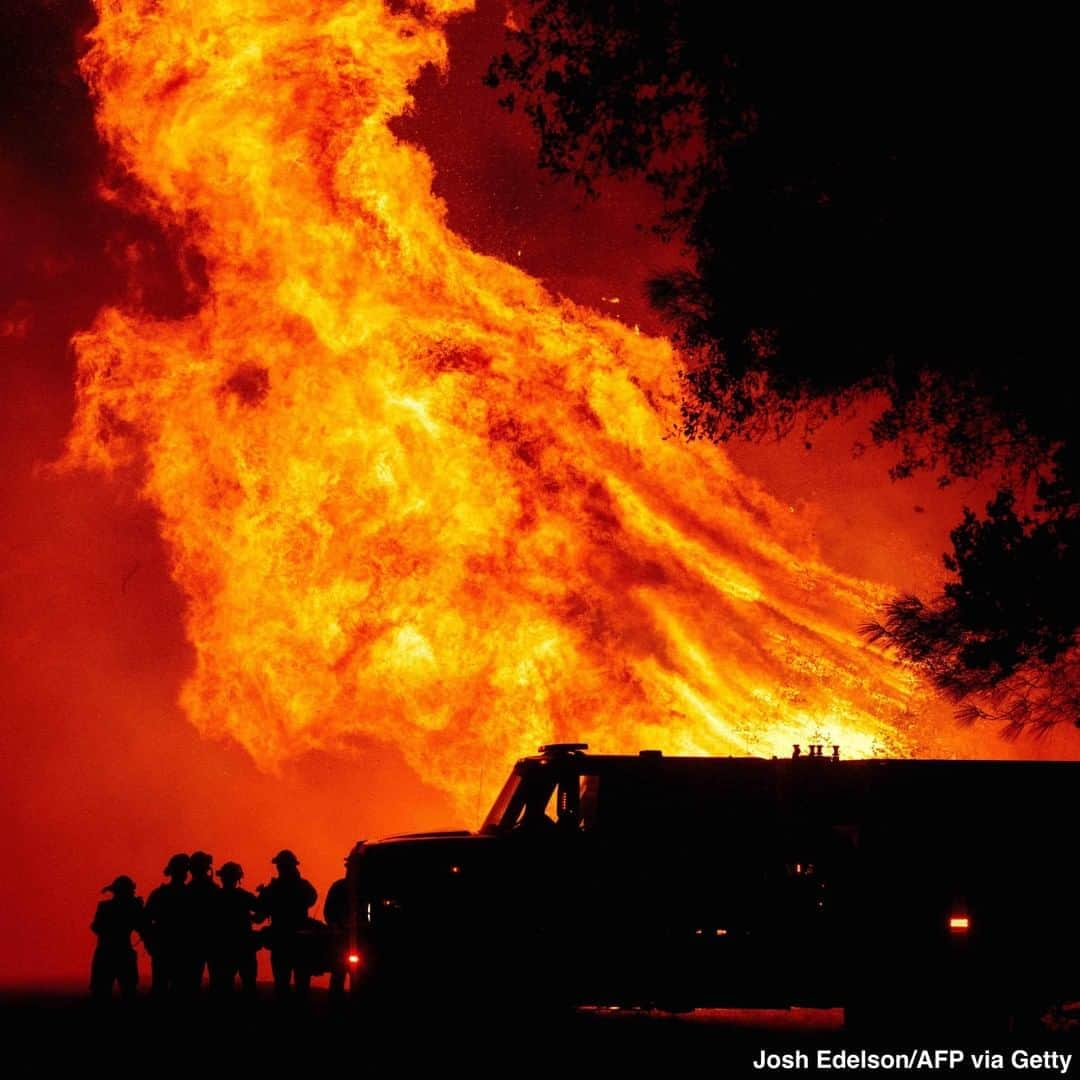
[(1053, 1061)]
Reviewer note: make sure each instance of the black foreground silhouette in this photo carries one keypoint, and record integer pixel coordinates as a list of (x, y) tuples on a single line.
[(656, 883)]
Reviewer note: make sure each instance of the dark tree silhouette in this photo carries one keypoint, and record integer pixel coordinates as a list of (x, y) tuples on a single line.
[(1000, 639), (872, 215)]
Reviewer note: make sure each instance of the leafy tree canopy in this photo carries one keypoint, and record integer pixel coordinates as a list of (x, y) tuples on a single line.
[(872, 207)]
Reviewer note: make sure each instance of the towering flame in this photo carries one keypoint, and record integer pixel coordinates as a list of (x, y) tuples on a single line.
[(408, 494)]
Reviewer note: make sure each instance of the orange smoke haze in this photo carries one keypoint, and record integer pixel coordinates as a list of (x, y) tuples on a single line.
[(402, 512)]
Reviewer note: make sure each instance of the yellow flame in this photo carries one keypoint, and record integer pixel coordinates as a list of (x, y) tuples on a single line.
[(407, 493)]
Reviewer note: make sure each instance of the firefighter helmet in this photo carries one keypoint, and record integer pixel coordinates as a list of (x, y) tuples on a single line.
[(177, 864)]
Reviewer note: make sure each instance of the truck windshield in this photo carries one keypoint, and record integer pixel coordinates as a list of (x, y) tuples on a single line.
[(499, 810), (540, 797)]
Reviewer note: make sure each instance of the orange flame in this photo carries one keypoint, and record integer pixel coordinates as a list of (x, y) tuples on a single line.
[(407, 493)]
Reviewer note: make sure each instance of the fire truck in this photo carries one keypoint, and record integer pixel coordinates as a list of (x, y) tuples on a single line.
[(678, 883)]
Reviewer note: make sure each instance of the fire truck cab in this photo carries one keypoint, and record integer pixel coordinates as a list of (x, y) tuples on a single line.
[(677, 883)]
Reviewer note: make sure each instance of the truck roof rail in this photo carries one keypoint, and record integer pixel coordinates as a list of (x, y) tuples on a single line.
[(563, 748), (816, 752)]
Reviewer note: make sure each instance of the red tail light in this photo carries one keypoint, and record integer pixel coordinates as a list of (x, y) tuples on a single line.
[(354, 959), (959, 924)]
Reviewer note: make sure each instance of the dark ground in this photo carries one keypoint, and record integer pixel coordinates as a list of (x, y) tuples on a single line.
[(54, 1029)]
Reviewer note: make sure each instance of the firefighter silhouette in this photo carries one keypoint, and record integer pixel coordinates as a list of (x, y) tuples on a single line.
[(233, 942), (285, 902), (165, 933), (114, 958), (201, 901), (336, 916)]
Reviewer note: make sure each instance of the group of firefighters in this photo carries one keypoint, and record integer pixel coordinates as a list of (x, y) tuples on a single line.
[(192, 926)]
